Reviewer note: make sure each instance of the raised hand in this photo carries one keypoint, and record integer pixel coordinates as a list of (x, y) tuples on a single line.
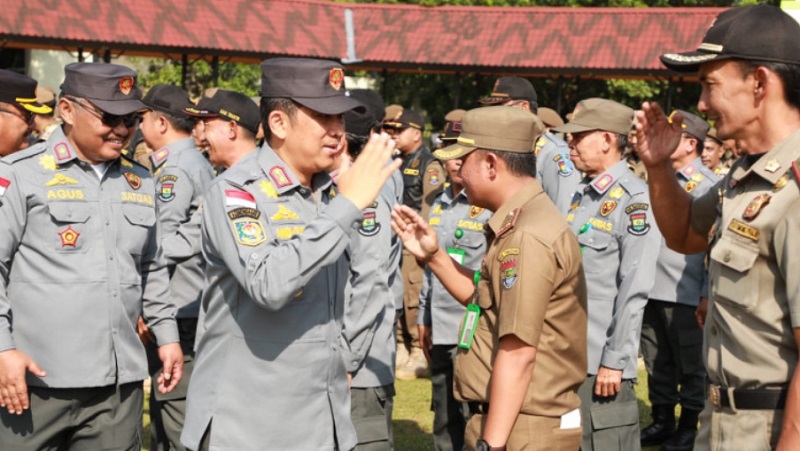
[(418, 237), (657, 135), (362, 181)]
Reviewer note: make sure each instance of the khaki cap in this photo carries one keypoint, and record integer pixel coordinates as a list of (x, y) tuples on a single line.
[(599, 114), (549, 117), (500, 128)]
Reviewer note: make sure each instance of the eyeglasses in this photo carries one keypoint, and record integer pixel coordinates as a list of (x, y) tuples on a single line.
[(111, 120), (28, 119)]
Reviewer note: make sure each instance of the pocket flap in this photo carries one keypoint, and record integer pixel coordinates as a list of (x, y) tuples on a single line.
[(615, 415), (594, 239), (736, 256), (70, 212), (139, 215)]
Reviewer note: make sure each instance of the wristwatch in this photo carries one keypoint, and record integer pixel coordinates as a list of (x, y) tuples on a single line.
[(483, 446)]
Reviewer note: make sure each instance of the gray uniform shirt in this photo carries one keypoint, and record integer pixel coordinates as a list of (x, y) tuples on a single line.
[(269, 369), (374, 256), (681, 278), (182, 175), (555, 170), (437, 309), (79, 261), (619, 240)]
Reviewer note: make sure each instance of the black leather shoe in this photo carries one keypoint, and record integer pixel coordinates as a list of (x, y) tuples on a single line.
[(662, 427), (682, 440)]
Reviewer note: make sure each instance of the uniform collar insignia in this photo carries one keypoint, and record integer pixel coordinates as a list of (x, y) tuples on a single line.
[(688, 170), (602, 183), (279, 177), (159, 156), (508, 222), (63, 153)]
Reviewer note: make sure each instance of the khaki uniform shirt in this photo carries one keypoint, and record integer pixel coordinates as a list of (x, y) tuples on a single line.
[(555, 170), (80, 262), (752, 219), (619, 239), (182, 175), (531, 286), (437, 308), (682, 278), (269, 370)]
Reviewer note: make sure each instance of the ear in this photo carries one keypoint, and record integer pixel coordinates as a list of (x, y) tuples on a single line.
[(67, 111), (162, 124), (233, 130), (417, 135), (491, 162), (278, 122), (691, 145), (609, 140), (762, 82)]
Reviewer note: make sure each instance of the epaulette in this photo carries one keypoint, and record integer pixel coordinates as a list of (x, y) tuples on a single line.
[(632, 184), (508, 222), (32, 151)]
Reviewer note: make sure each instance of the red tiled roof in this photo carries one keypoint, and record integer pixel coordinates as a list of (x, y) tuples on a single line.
[(490, 39)]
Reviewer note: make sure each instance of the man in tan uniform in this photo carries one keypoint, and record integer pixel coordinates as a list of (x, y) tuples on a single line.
[(749, 67), (521, 370)]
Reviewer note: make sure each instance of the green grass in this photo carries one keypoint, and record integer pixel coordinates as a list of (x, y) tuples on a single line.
[(413, 418)]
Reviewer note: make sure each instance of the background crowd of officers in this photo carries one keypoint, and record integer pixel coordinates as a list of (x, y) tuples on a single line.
[(274, 265)]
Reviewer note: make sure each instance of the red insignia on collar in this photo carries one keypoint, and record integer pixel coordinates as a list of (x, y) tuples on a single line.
[(160, 156), (508, 223), (603, 182), (133, 180), (69, 237), (126, 85), (62, 152), (336, 78), (279, 177)]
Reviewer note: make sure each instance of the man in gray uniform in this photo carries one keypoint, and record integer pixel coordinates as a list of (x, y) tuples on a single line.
[(459, 227), (80, 262), (269, 371), (182, 175), (554, 170), (18, 107), (373, 291), (611, 216), (228, 124), (671, 339)]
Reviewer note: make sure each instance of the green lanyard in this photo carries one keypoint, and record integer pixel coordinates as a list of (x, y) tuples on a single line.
[(471, 316)]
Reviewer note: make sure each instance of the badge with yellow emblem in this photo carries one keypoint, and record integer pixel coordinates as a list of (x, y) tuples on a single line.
[(133, 180), (607, 207), (369, 224), (69, 237), (755, 206)]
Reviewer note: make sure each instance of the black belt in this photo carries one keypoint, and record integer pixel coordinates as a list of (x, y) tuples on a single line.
[(478, 408), (755, 399)]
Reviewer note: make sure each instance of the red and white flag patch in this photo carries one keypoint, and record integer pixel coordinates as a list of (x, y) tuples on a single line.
[(4, 183), (239, 198)]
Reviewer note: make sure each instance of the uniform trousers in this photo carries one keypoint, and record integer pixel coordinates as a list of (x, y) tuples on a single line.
[(609, 423), (731, 429), (530, 433), (77, 419), (412, 274), (449, 415), (672, 347), (371, 412)]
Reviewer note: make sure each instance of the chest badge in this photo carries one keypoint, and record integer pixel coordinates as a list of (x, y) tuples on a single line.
[(474, 211), (607, 207), (690, 186), (755, 206), (616, 193), (369, 224), (133, 180), (69, 237)]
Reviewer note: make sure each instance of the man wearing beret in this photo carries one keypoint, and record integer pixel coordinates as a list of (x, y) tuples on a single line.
[(269, 372), (522, 343), (671, 339), (610, 214), (749, 66), (423, 179), (554, 170), (80, 262), (18, 105), (182, 174)]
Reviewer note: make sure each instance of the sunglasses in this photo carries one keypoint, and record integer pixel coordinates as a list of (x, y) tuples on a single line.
[(111, 120), (28, 118)]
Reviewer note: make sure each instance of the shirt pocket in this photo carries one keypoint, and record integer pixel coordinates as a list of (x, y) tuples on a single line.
[(135, 231), (70, 226), (731, 277), (594, 241)]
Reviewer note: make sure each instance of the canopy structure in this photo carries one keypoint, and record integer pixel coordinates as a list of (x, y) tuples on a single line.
[(584, 42)]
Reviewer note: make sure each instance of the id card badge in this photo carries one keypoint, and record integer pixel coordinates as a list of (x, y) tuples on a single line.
[(457, 255), (468, 327)]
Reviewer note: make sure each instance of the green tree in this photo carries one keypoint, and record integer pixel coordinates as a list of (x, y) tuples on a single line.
[(245, 78)]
